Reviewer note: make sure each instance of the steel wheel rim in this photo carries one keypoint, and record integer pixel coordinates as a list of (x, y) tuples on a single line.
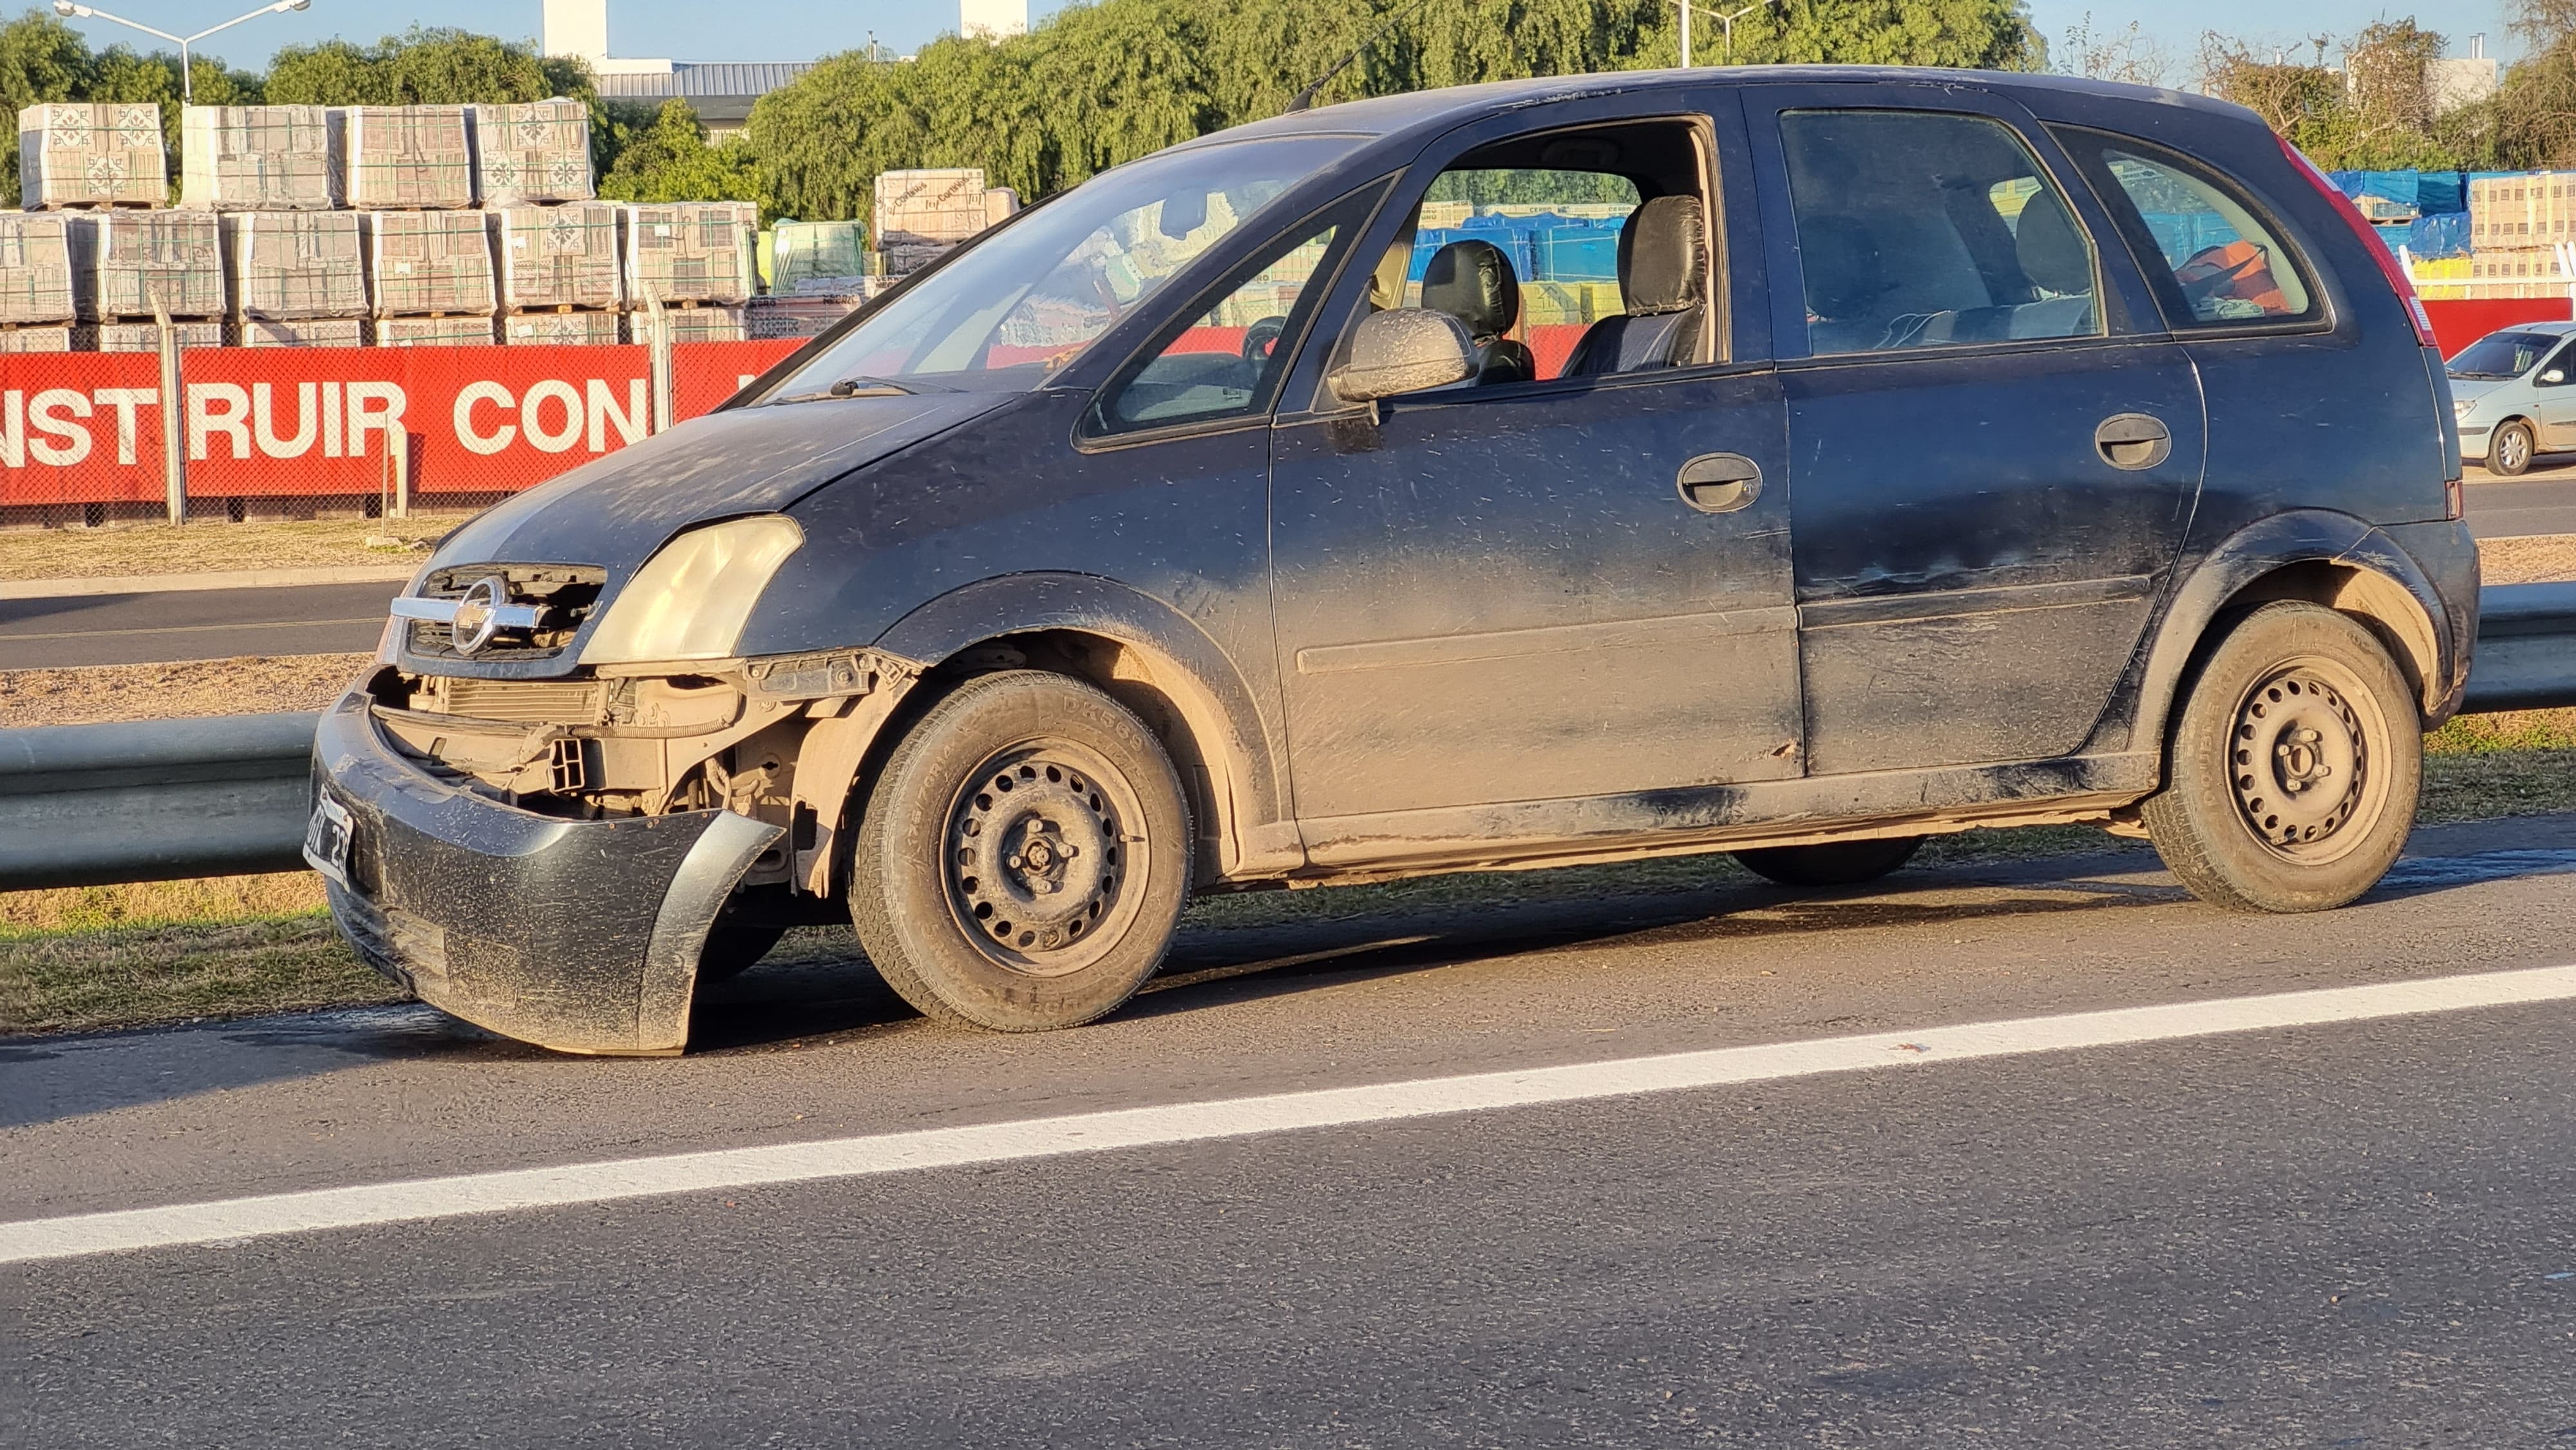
[(1043, 857), (2303, 762), (2511, 451)]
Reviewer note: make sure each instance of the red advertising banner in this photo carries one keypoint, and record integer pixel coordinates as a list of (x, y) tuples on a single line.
[(81, 428), (2459, 323)]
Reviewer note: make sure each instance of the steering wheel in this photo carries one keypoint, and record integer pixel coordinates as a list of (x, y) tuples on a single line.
[(1261, 337)]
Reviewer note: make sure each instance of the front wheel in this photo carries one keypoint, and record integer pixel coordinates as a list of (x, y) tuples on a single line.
[(2510, 451), (2292, 767), (1024, 856)]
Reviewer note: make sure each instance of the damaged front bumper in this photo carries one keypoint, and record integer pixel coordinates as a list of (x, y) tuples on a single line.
[(576, 935)]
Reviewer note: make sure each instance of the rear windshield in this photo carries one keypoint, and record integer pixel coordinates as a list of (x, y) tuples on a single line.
[(1020, 304), (2500, 355)]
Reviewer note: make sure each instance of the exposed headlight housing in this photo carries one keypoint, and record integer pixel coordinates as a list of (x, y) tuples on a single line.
[(692, 598)]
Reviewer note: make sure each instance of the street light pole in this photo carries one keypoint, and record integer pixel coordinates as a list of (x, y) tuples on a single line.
[(187, 72), (1726, 21)]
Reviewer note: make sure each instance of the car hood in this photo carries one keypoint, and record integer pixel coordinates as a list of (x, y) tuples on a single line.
[(2469, 390), (615, 511)]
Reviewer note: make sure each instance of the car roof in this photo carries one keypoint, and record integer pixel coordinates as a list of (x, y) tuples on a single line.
[(2545, 329), (1451, 105)]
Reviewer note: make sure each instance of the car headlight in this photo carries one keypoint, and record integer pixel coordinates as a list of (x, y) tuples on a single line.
[(2462, 407), (691, 599)]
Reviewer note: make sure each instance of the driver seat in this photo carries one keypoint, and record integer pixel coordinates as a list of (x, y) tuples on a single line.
[(1473, 282), (1663, 264)]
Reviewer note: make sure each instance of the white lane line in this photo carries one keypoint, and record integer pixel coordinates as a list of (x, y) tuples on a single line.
[(733, 1168)]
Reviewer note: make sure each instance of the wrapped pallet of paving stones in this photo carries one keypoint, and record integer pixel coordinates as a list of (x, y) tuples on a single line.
[(429, 263), (434, 332), (293, 266), (818, 256), (921, 214), (122, 261), (805, 313), (697, 324), (533, 151), (559, 256), (35, 269), (143, 336), (84, 154), (415, 157), (561, 329), (692, 252), (302, 332), (260, 158), (35, 339)]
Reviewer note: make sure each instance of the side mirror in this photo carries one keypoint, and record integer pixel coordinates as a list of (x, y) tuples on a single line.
[(2553, 377), (1403, 351)]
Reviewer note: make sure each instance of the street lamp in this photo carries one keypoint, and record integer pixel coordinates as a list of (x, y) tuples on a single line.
[(187, 73), (1727, 20)]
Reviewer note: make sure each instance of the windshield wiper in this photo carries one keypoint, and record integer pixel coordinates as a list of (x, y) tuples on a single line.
[(863, 386)]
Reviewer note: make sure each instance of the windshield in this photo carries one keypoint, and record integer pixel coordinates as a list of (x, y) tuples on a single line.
[(1021, 304), (2502, 355)]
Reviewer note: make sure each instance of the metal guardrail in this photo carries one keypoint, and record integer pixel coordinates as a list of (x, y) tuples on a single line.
[(154, 800), (164, 800)]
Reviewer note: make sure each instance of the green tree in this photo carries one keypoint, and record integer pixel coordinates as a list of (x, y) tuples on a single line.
[(671, 160)]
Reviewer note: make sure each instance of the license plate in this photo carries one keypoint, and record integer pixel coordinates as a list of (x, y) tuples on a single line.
[(326, 840)]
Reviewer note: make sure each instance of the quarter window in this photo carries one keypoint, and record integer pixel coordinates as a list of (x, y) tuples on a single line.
[(2222, 265), (1922, 229)]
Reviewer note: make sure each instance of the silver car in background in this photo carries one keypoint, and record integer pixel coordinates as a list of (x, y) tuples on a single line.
[(2514, 391)]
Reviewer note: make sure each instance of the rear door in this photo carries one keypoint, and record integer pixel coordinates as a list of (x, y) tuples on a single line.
[(1994, 447)]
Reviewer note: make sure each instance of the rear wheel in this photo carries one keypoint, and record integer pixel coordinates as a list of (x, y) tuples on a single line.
[(1833, 863), (2292, 767), (1024, 856), (2510, 451)]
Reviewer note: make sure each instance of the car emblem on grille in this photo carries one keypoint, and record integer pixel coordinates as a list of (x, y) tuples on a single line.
[(478, 614)]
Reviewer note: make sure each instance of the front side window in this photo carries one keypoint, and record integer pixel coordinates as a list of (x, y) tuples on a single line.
[(2222, 266), (1227, 361), (1014, 309), (1924, 229)]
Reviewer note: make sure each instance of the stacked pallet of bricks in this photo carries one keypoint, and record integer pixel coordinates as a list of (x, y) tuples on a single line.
[(699, 260), (558, 274), (2518, 223), (130, 267), (430, 275), (36, 310), (921, 215)]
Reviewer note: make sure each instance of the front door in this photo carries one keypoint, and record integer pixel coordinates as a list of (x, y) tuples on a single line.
[(1996, 448), (1540, 590), (2555, 402)]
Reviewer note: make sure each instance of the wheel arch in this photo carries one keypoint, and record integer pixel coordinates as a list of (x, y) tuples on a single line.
[(1148, 656), (2325, 558)]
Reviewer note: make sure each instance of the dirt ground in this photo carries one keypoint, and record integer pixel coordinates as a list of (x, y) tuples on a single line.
[(2531, 560), (249, 685), (127, 549)]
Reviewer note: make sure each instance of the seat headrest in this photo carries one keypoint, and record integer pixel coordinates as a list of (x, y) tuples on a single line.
[(1663, 256), (1473, 282), (2051, 250)]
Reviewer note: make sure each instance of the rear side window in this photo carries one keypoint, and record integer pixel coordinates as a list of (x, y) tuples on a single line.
[(1928, 229), (2223, 265)]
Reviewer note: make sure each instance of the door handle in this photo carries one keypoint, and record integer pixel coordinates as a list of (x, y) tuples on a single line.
[(1719, 483), (2132, 441)]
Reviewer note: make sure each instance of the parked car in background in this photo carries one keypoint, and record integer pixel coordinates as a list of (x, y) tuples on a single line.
[(2513, 393), (1960, 450)]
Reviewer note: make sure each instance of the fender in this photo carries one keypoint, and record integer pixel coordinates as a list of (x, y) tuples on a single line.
[(1256, 832), (2428, 652)]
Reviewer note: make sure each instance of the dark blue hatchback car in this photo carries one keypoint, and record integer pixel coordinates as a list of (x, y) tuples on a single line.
[(1789, 462)]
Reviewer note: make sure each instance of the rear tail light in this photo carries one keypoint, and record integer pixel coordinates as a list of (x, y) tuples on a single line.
[(2455, 498), (2398, 281)]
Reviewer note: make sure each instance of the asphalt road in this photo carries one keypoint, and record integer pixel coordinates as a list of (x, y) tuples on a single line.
[(2345, 1233), (2542, 501), (121, 629)]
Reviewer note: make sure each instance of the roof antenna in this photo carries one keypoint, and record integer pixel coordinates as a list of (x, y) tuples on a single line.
[(1305, 100)]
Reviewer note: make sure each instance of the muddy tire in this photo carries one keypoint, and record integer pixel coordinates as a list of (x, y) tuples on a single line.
[(1834, 863), (2291, 767), (2511, 449), (735, 947), (1024, 856)]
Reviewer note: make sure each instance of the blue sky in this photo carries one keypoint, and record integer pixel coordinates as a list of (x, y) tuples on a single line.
[(800, 29)]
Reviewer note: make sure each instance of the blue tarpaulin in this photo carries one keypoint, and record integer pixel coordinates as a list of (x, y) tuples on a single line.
[(2426, 193)]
